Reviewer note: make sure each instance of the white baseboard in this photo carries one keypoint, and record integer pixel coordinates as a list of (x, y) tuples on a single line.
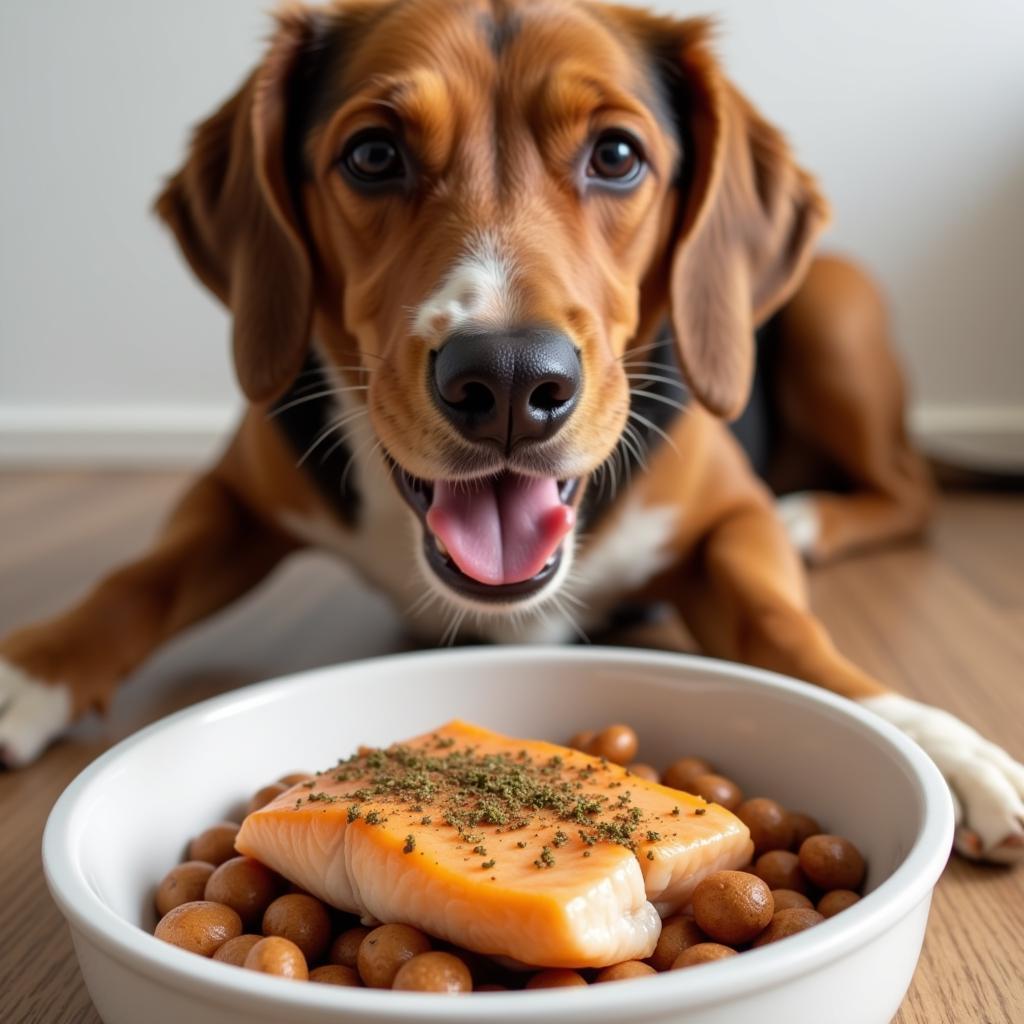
[(127, 436), (985, 437), (132, 436)]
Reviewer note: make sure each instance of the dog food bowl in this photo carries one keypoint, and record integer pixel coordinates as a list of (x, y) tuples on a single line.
[(125, 821)]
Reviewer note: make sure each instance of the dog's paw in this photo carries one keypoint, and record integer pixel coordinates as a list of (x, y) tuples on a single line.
[(987, 784), (801, 521), (32, 714)]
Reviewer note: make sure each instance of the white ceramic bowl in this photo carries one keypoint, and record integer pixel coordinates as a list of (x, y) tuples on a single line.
[(124, 822)]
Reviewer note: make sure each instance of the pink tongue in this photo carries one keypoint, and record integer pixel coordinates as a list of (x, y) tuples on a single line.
[(500, 530)]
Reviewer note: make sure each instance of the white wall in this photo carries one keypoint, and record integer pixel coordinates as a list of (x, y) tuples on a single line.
[(911, 112)]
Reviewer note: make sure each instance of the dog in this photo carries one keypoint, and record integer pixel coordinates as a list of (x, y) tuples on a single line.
[(501, 273)]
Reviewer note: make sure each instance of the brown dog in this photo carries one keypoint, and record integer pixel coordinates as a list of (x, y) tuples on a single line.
[(450, 232)]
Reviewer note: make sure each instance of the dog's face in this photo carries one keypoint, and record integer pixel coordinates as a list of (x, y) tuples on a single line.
[(484, 205)]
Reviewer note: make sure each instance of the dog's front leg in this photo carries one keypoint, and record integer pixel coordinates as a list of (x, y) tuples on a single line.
[(745, 599), (211, 551)]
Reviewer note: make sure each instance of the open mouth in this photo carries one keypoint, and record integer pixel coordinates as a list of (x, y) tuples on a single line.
[(496, 538)]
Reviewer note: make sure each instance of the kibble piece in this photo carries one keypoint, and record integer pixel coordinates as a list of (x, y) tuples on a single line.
[(832, 862), (235, 950), (788, 922), (216, 844), (301, 919), (804, 826), (277, 956), (384, 951), (433, 972), (293, 779), (702, 953), (618, 743), (200, 927), (184, 883), (345, 948), (836, 901), (335, 974), (787, 899), (682, 773), (771, 827), (245, 885), (644, 771), (558, 977), (582, 740), (717, 789), (624, 971), (263, 796), (677, 933), (780, 869), (732, 906)]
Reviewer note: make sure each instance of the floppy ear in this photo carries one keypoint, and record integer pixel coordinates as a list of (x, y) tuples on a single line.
[(231, 209), (748, 222)]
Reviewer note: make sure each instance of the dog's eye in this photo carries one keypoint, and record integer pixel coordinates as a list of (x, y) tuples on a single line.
[(373, 159), (615, 157)]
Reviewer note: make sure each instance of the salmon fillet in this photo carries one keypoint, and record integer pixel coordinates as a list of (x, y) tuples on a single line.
[(509, 847)]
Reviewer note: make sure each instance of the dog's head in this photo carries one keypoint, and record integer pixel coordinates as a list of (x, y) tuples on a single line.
[(483, 205)]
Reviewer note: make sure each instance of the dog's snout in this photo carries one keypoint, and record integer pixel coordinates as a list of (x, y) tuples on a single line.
[(507, 386)]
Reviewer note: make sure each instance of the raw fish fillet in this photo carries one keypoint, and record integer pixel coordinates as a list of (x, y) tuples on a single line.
[(512, 848)]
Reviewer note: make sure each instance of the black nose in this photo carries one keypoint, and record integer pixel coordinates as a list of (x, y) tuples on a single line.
[(507, 386)]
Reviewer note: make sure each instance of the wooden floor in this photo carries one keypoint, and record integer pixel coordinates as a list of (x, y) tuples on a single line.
[(943, 622)]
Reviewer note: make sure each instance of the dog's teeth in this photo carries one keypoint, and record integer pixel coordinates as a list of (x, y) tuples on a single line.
[(439, 544)]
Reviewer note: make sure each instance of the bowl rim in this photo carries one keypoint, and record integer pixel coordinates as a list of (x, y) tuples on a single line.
[(909, 885)]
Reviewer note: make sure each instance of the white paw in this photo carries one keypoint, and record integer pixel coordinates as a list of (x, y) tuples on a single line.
[(32, 714), (801, 521), (987, 784)]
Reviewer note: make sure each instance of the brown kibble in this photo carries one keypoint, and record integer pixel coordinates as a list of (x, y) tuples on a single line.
[(624, 971), (677, 933), (717, 789), (278, 956), (184, 883), (263, 796), (702, 953), (216, 844), (787, 899), (683, 773), (836, 901), (345, 948), (558, 977), (245, 885), (336, 974), (300, 919), (780, 869), (235, 950), (200, 927), (804, 826), (384, 951), (293, 779), (617, 743), (582, 740), (433, 972), (732, 906), (771, 827), (788, 922), (644, 771), (832, 862)]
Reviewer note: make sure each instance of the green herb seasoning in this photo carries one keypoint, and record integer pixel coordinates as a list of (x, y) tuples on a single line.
[(546, 858), (445, 784), (410, 843)]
